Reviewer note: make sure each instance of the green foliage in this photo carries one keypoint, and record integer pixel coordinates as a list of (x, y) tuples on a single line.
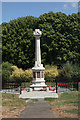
[(59, 42), (19, 75), (18, 42), (69, 72), (51, 73), (26, 84), (6, 72), (76, 72), (50, 67), (51, 83)]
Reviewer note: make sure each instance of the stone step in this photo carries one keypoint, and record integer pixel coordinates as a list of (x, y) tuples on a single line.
[(38, 94)]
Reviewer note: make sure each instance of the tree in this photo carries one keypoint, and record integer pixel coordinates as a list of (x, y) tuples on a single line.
[(59, 41), (18, 42), (6, 72), (70, 72)]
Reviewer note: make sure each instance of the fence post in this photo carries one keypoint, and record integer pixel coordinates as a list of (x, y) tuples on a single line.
[(20, 88), (56, 86), (77, 86)]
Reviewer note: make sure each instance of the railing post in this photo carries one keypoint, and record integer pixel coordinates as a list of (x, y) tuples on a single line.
[(56, 87), (77, 86), (20, 88)]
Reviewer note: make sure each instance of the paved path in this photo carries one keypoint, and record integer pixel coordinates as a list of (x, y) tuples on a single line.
[(39, 109)]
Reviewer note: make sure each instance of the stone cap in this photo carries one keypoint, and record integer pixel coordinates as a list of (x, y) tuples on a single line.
[(37, 33)]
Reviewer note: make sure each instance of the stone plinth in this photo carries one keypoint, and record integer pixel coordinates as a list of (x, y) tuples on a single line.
[(38, 69)]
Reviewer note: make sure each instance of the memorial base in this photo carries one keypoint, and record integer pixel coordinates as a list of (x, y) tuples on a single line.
[(38, 87)]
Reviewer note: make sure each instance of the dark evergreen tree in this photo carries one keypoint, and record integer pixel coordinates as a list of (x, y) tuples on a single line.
[(60, 39)]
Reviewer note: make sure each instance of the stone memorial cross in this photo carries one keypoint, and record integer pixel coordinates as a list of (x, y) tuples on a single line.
[(38, 81)]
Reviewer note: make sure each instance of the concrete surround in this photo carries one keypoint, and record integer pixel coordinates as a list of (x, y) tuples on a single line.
[(39, 94), (38, 81)]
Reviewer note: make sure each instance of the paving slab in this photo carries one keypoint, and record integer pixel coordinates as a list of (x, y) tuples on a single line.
[(39, 109), (38, 94)]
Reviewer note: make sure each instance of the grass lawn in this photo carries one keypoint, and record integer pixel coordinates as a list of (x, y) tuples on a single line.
[(12, 105), (66, 105)]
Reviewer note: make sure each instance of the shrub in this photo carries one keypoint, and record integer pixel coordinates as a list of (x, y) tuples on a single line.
[(50, 67), (28, 75), (69, 72), (76, 72), (51, 73), (17, 74), (66, 72), (20, 75), (6, 72)]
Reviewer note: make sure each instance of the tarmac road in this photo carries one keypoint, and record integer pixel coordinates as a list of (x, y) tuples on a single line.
[(39, 109)]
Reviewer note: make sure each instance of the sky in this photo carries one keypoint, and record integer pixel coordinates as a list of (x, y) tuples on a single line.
[(14, 10)]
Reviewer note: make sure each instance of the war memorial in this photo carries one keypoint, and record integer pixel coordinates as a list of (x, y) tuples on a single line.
[(38, 82)]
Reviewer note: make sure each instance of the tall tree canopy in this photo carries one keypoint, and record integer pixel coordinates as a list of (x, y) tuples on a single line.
[(59, 42)]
